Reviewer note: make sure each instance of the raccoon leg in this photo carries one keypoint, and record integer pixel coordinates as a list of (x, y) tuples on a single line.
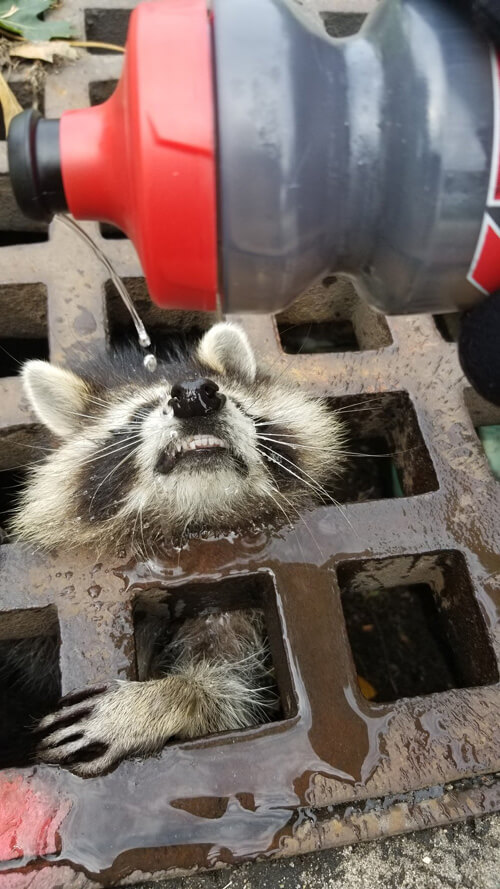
[(203, 693)]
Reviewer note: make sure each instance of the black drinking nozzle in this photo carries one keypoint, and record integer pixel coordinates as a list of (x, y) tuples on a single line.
[(479, 347), (35, 165)]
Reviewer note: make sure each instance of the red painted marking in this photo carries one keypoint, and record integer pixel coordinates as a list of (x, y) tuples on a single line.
[(30, 816), (485, 273), (497, 126)]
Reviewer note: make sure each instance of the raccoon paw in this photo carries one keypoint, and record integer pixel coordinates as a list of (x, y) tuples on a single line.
[(95, 728)]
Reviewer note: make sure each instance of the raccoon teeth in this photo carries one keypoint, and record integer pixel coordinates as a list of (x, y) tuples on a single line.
[(199, 442)]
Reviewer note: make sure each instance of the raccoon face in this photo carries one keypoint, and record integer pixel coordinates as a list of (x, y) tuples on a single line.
[(209, 442)]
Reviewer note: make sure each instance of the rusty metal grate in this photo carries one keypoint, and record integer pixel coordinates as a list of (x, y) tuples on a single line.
[(339, 764)]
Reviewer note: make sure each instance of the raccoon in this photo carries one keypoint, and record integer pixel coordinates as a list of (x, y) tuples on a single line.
[(207, 444)]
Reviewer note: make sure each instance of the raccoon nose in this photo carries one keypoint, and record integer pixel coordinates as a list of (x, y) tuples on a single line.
[(196, 398)]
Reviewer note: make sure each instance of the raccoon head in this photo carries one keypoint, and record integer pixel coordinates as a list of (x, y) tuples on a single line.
[(208, 443)]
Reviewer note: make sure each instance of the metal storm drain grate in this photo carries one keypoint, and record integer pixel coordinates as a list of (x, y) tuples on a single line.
[(381, 616)]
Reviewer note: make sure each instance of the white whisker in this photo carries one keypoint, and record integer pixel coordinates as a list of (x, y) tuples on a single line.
[(127, 457), (301, 519), (315, 486)]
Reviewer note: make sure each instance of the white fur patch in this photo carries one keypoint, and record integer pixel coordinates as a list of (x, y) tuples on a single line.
[(56, 395)]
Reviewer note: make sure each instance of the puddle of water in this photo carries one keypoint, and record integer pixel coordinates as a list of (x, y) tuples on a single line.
[(234, 796), (228, 796)]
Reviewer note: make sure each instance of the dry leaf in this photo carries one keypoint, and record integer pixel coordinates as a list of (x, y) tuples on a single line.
[(9, 103), (44, 50), (367, 689)]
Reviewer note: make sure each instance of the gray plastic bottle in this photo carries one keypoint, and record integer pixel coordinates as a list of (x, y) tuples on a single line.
[(371, 156), (376, 157)]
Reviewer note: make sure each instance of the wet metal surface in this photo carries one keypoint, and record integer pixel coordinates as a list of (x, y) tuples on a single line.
[(336, 768)]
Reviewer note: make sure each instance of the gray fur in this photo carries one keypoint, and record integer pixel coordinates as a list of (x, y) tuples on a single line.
[(123, 472)]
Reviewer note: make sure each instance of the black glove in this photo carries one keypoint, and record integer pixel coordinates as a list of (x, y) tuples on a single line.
[(479, 347), (485, 14), (479, 338)]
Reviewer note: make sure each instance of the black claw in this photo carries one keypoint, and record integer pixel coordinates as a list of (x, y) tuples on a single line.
[(69, 740), (76, 697), (62, 722), (87, 754)]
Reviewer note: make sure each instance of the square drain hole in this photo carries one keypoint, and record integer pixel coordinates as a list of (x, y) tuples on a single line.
[(318, 336), (20, 446), (331, 317), (30, 682), (24, 326), (15, 228), (11, 484), (106, 26), (162, 618), (14, 351), (101, 90), (414, 626), (387, 455), (448, 325), (163, 325), (486, 419), (12, 238), (28, 95), (110, 232)]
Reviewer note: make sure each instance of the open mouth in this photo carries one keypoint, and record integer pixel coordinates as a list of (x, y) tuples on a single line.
[(194, 446), (199, 443)]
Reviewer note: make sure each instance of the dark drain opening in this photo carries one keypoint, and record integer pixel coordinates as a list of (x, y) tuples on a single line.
[(14, 352), (373, 475), (30, 682), (101, 90), (11, 484), (448, 325), (15, 227), (20, 446), (28, 95), (330, 317), (106, 26), (414, 626), (23, 309), (164, 326), (9, 239), (160, 615), (110, 232), (324, 336), (397, 643), (387, 455)]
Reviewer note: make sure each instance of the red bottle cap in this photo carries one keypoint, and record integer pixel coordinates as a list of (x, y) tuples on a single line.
[(145, 159)]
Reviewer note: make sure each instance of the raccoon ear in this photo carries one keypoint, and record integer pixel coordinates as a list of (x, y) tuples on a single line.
[(56, 395), (225, 349)]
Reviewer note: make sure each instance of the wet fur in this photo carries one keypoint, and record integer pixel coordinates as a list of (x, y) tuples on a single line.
[(112, 478)]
